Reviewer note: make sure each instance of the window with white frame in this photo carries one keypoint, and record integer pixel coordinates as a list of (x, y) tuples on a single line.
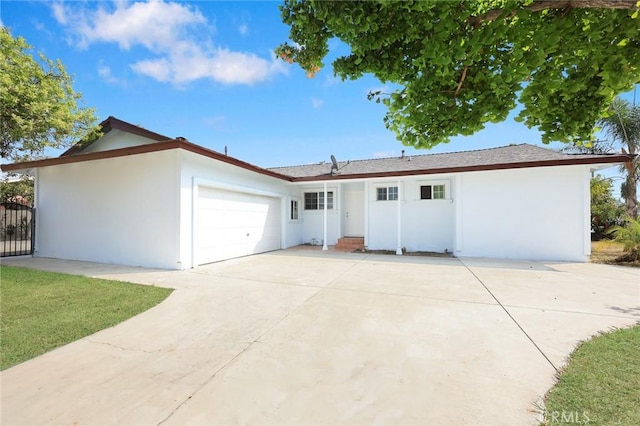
[(432, 192), (387, 193), (294, 210), (315, 200)]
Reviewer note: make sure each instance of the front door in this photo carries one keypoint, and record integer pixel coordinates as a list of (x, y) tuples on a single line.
[(354, 214)]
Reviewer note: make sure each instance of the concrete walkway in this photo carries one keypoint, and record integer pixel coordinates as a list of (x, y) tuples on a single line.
[(304, 337)]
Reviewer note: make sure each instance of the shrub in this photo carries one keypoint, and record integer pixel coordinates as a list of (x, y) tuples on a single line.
[(629, 235)]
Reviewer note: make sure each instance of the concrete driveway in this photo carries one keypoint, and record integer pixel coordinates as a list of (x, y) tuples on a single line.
[(305, 337)]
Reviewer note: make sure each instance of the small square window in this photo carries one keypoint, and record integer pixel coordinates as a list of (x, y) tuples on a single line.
[(438, 192), (425, 192), (294, 210), (393, 193), (387, 193), (432, 192), (311, 201), (315, 200)]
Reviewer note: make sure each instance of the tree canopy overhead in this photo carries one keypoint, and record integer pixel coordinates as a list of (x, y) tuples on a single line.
[(463, 64), (38, 106)]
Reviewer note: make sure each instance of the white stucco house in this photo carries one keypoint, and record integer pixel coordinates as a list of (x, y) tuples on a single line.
[(136, 197)]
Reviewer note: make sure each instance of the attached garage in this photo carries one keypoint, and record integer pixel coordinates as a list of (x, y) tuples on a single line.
[(233, 224)]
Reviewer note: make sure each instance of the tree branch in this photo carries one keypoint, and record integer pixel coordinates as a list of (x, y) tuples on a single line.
[(464, 75), (540, 5)]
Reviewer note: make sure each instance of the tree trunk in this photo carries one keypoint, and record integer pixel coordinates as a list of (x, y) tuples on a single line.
[(631, 196)]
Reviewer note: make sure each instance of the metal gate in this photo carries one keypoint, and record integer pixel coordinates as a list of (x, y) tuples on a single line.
[(17, 227)]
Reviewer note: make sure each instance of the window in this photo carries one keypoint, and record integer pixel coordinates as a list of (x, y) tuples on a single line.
[(315, 200), (389, 193), (432, 192), (294, 210)]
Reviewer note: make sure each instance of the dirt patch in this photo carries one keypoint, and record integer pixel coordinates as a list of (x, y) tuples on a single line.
[(607, 252), (407, 253)]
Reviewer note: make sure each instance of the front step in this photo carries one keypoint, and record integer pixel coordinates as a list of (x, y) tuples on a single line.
[(350, 243)]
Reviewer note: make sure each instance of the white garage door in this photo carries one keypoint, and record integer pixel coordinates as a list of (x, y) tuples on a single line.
[(233, 224)]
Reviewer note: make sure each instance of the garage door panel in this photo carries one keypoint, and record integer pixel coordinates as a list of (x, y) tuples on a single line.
[(233, 224)]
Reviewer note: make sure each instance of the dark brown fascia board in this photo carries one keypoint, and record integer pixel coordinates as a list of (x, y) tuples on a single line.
[(90, 156), (618, 158), (142, 149), (112, 123)]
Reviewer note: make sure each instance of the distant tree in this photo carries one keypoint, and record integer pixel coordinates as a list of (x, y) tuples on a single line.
[(606, 211), (622, 126), (17, 190), (38, 106), (463, 64)]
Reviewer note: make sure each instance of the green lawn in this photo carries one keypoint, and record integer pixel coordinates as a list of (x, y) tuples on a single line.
[(601, 383), (40, 311)]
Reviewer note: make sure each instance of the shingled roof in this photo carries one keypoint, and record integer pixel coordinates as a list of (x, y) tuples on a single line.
[(507, 157)]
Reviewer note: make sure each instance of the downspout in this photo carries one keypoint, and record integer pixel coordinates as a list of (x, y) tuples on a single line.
[(36, 206), (366, 213), (586, 215), (326, 202), (194, 221), (399, 248)]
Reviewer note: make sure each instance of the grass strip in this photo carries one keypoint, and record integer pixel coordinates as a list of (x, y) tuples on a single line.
[(601, 383), (40, 311)]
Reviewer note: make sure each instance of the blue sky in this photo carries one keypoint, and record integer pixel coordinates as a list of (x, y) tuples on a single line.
[(205, 70)]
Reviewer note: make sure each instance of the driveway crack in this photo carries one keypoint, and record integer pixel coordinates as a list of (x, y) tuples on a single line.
[(510, 316), (254, 342), (122, 348)]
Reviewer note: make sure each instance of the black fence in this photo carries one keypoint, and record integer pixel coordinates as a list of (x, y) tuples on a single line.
[(17, 228)]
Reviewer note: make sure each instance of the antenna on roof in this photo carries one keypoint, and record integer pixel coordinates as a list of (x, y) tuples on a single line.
[(334, 166), (225, 150)]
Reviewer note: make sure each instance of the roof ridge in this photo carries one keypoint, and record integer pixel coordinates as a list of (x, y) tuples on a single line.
[(411, 155)]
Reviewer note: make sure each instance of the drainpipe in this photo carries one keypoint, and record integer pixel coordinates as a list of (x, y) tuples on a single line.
[(399, 249), (36, 216), (326, 201)]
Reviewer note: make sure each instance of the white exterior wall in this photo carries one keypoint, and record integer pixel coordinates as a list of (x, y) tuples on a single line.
[(197, 170), (427, 225), (533, 213), (121, 210), (313, 220)]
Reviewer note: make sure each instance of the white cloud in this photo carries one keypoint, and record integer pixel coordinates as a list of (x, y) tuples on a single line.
[(105, 73), (331, 80), (243, 29), (60, 13), (158, 69), (317, 103), (169, 31)]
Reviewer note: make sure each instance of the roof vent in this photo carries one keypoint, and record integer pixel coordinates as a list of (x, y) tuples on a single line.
[(402, 155)]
